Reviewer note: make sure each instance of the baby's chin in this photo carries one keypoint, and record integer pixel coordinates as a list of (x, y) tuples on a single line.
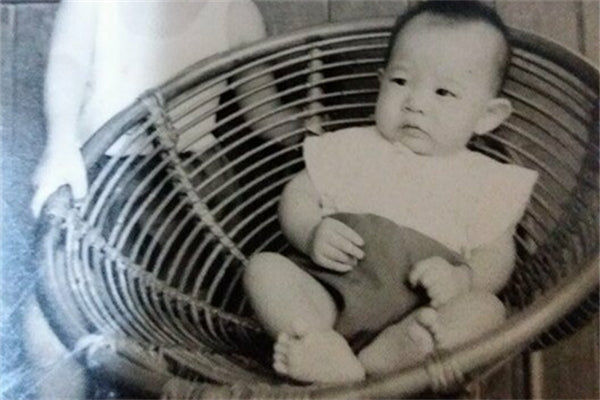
[(422, 146), (414, 142), (417, 147)]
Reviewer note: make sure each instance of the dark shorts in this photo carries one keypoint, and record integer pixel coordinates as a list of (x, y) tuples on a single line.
[(376, 293)]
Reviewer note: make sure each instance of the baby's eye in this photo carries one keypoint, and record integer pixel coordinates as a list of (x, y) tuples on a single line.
[(444, 92), (399, 81)]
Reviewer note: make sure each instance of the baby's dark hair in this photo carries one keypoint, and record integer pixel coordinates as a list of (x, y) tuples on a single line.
[(460, 12)]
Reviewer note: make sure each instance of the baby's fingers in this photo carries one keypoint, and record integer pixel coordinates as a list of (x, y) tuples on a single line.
[(437, 296), (331, 258), (430, 280), (435, 303), (348, 233), (439, 301), (347, 247), (418, 273), (335, 254), (335, 265)]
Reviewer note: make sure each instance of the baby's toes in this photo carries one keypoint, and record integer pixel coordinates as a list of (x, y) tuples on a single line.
[(280, 357), (429, 319), (427, 316), (283, 345), (280, 353), (421, 337), (280, 367)]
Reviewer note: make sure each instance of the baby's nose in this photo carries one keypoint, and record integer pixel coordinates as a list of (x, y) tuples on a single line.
[(415, 102)]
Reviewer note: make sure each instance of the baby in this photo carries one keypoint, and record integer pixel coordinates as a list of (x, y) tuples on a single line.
[(381, 210)]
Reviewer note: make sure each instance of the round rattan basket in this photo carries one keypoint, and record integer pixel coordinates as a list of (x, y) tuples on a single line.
[(143, 276)]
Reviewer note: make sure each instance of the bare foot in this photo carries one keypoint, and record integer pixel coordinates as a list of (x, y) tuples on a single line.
[(465, 318), (398, 346), (421, 336), (429, 319), (426, 330), (323, 357)]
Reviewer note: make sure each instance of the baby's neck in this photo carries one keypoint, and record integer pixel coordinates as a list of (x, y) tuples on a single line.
[(406, 150)]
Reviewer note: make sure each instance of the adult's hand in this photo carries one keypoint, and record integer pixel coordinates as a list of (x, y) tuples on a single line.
[(57, 169)]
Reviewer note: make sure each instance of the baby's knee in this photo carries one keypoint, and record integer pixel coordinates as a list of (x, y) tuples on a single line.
[(482, 305), (480, 311)]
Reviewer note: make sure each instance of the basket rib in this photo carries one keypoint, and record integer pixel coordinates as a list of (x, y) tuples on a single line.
[(154, 255)]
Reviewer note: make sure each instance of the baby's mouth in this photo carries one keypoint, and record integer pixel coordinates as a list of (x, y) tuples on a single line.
[(413, 130)]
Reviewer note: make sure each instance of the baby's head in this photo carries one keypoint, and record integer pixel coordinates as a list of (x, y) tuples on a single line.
[(445, 65)]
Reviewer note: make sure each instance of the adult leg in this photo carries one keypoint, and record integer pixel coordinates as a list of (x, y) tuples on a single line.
[(462, 319), (56, 372), (298, 311)]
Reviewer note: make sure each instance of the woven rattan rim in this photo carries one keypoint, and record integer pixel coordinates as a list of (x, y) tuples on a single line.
[(515, 335)]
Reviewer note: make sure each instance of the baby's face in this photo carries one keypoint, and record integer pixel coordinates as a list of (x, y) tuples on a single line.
[(437, 84)]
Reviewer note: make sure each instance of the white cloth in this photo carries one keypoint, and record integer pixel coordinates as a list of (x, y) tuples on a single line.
[(463, 201), (127, 63)]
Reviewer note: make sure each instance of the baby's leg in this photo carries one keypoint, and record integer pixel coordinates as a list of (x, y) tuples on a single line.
[(300, 313), (398, 346), (465, 318), (282, 295)]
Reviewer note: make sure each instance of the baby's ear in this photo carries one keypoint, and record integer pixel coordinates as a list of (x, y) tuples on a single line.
[(497, 110), (380, 73)]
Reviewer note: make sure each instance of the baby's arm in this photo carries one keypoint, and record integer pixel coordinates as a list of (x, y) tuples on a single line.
[(493, 263), (299, 211), (489, 268), (329, 242), (246, 25), (69, 63)]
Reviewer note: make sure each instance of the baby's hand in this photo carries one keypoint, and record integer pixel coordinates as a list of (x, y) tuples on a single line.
[(336, 246), (441, 279)]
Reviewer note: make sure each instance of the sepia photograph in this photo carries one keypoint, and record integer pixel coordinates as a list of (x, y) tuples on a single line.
[(347, 199)]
